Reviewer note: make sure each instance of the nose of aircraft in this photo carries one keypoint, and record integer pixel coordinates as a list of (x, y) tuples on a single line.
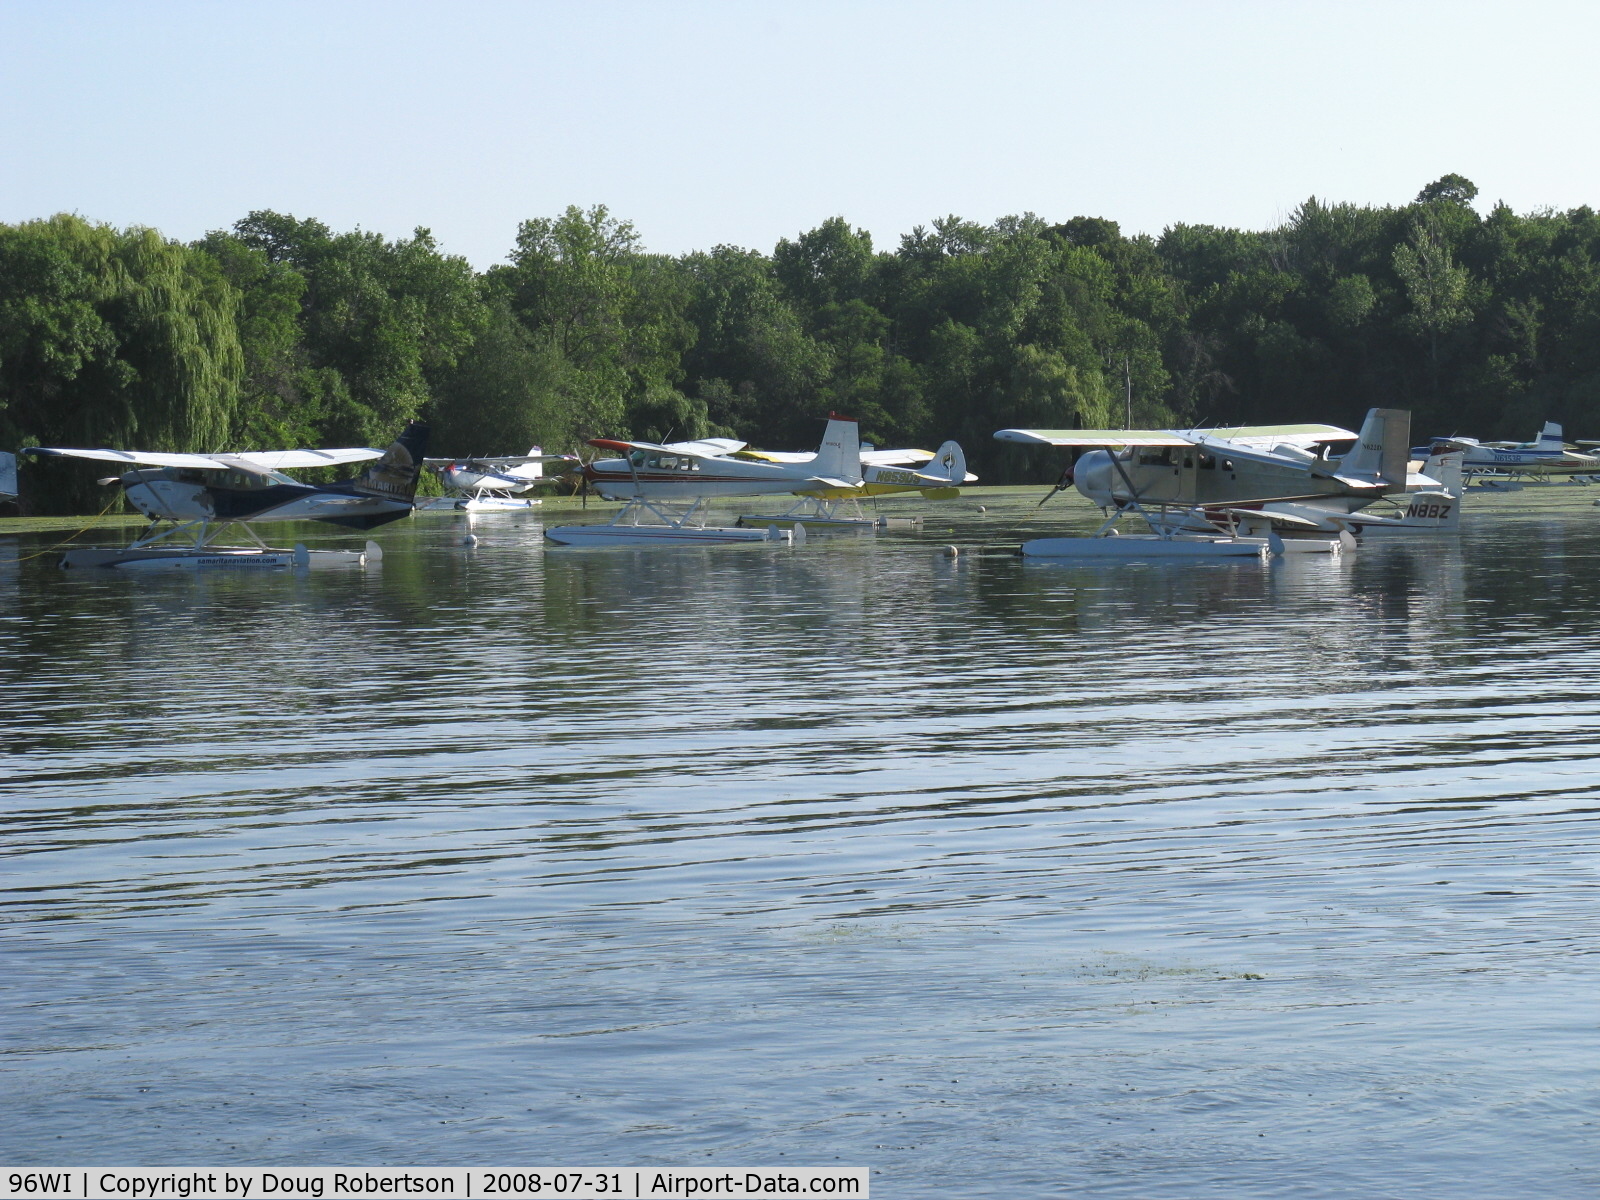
[(1091, 475)]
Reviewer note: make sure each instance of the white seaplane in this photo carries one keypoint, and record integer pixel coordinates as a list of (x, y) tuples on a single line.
[(1245, 492), (1505, 466), (938, 475), (197, 496), (667, 487), (492, 484)]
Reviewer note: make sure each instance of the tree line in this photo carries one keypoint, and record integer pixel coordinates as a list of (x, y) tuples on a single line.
[(281, 332)]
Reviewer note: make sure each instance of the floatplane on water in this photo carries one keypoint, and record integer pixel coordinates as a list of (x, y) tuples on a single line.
[(492, 484), (667, 487), (1509, 466), (1246, 492), (191, 498)]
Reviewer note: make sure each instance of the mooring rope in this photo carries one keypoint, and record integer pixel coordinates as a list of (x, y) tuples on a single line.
[(52, 549)]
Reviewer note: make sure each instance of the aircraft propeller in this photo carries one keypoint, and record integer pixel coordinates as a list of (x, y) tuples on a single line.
[(1062, 484)]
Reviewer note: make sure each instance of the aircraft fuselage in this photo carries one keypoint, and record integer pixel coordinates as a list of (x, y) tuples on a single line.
[(466, 479), (688, 477), (175, 494), (1194, 476)]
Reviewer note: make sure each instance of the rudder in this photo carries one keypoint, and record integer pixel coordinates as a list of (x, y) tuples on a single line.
[(1382, 451), (949, 462)]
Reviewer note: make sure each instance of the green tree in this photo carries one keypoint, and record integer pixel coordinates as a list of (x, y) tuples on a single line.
[(109, 337)]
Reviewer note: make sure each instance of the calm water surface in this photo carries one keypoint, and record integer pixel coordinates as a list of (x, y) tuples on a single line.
[(1002, 879)]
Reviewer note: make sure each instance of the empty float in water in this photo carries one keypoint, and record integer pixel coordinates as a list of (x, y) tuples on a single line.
[(144, 558), (661, 523), (1144, 546)]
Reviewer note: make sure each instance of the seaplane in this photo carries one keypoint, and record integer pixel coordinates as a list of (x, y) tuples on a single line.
[(492, 484), (1245, 492), (190, 499), (666, 487), (937, 474), (1498, 465), (8, 477)]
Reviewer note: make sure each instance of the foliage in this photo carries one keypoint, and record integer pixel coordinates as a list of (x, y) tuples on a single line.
[(281, 331)]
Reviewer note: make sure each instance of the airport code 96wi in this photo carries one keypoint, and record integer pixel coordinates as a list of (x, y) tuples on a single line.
[(475, 1183)]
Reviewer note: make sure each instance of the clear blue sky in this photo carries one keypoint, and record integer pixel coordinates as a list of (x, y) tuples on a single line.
[(746, 122)]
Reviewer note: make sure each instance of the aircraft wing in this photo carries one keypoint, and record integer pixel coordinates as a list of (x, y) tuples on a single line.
[(1256, 436), (1263, 436), (278, 460), (707, 447), (704, 448), (1092, 437), (254, 461), (895, 458), (869, 458), (514, 460), (779, 456), (140, 458)]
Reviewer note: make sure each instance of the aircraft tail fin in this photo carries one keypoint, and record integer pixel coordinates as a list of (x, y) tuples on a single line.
[(533, 470), (394, 476), (1445, 469), (1550, 436), (839, 456), (8, 475), (1381, 452), (949, 462)]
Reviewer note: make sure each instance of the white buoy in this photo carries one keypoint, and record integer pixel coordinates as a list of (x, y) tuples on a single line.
[(470, 540), (951, 551), (981, 508)]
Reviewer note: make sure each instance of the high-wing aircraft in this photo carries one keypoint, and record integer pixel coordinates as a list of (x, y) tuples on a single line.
[(666, 486), (1546, 455), (1238, 488), (199, 495), (494, 483)]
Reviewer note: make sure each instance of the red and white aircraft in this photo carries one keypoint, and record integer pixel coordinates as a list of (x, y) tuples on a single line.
[(666, 486)]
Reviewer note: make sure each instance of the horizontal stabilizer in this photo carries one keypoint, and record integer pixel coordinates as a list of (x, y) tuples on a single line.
[(1278, 516)]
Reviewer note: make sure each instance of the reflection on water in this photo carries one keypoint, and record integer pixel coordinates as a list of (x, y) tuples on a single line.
[(1000, 877)]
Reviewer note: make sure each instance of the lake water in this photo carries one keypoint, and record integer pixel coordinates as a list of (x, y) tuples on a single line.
[(999, 878)]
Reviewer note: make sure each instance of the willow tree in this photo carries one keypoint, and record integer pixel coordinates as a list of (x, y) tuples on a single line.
[(112, 338)]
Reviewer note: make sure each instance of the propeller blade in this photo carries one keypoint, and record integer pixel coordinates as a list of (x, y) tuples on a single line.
[(1062, 484)]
